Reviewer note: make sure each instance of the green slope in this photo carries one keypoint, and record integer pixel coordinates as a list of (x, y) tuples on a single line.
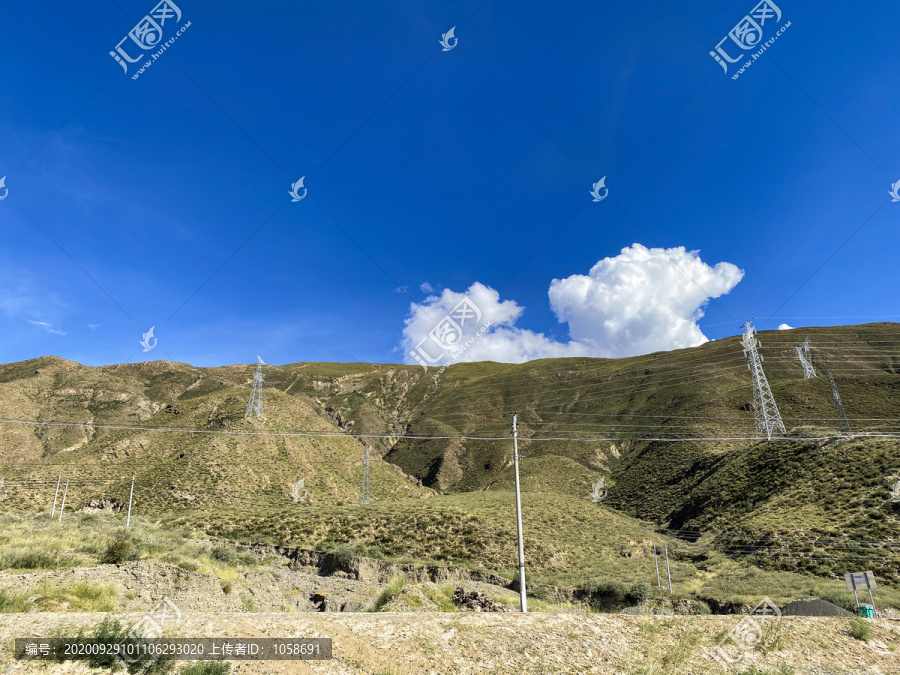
[(815, 507)]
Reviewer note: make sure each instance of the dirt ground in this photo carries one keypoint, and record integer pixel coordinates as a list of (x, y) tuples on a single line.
[(467, 643)]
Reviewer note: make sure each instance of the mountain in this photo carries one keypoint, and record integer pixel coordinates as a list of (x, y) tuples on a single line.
[(441, 455)]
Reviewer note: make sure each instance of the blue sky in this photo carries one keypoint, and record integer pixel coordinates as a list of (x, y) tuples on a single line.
[(163, 200)]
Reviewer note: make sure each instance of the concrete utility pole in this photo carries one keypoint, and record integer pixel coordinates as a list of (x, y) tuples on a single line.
[(56, 495), (768, 419), (130, 495), (522, 598), (62, 508), (668, 572), (656, 560)]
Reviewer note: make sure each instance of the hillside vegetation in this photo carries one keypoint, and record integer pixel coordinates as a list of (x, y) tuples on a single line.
[(809, 507)]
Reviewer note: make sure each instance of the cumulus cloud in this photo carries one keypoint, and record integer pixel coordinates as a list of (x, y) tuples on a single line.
[(784, 326), (640, 301), (47, 327)]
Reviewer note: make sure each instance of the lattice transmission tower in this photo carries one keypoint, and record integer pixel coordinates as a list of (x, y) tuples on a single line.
[(842, 416), (768, 419), (364, 495), (256, 399), (806, 359)]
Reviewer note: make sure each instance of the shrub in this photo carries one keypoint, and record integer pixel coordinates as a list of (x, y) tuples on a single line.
[(344, 552), (700, 607), (639, 591), (11, 603), (118, 549), (231, 557), (84, 596), (611, 591), (391, 591), (113, 631), (538, 592), (25, 559), (207, 668), (860, 629), (841, 599)]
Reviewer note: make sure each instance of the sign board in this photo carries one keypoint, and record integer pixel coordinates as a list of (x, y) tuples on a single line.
[(856, 580)]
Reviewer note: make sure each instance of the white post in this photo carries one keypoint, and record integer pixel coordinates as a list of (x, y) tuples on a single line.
[(58, 479), (668, 573), (522, 598), (65, 492), (128, 521), (656, 560)]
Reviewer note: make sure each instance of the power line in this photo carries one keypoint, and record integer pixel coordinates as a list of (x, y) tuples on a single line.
[(319, 434)]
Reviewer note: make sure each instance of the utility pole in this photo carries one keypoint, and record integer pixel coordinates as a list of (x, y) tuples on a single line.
[(656, 560), (668, 572), (256, 399), (522, 597), (364, 495), (58, 479), (768, 419), (806, 359), (842, 416), (63, 506), (130, 495)]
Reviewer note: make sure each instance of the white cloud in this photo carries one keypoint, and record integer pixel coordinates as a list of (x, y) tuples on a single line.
[(784, 326), (47, 327), (640, 301), (92, 326), (425, 287)]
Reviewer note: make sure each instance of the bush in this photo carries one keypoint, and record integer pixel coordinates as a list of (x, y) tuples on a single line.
[(24, 559), (207, 668), (344, 552), (841, 599), (391, 591), (113, 631), (639, 591), (860, 629), (118, 549), (700, 607), (231, 557), (611, 591), (11, 603)]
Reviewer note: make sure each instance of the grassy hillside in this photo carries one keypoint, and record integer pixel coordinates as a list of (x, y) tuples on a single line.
[(441, 476)]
